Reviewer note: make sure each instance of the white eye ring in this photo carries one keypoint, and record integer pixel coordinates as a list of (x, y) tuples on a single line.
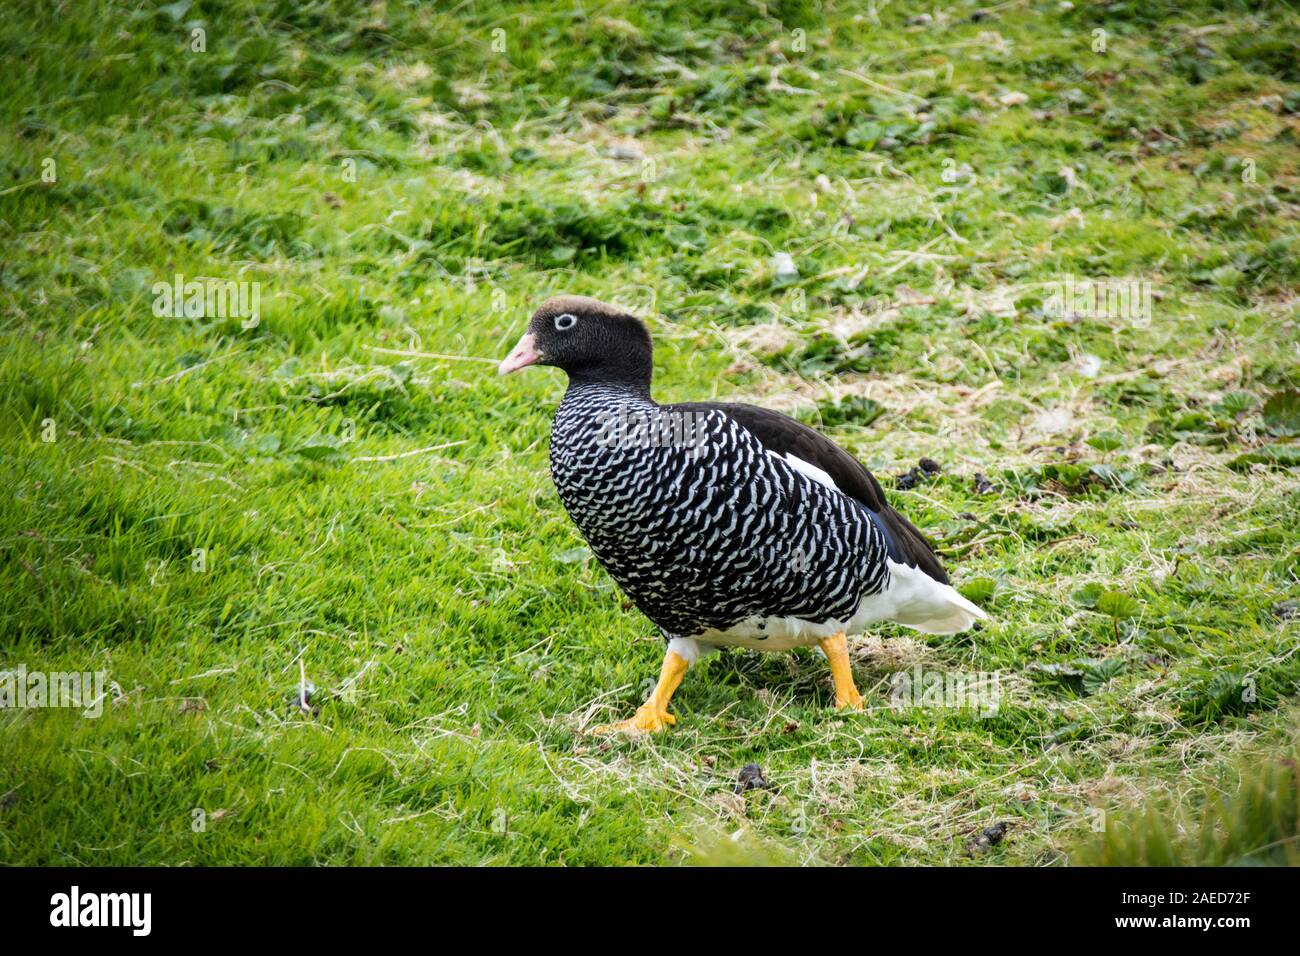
[(565, 321)]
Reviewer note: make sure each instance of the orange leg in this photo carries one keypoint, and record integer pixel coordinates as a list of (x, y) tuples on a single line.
[(837, 652), (653, 715)]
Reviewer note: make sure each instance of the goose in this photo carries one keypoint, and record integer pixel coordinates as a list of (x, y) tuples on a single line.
[(727, 525)]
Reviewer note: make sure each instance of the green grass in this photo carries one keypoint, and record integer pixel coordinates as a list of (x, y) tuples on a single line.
[(1251, 819), (397, 185)]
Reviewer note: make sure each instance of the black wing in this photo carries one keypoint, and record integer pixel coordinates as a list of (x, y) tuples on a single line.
[(781, 435)]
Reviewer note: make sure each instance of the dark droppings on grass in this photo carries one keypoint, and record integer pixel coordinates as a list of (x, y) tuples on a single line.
[(924, 469), (1286, 610), (751, 778), (987, 838)]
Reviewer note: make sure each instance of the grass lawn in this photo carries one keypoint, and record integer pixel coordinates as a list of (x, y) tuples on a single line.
[(852, 212)]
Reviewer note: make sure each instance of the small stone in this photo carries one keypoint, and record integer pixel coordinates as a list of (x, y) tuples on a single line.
[(1014, 98)]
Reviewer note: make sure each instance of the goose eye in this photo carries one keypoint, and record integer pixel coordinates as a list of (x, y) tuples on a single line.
[(565, 321)]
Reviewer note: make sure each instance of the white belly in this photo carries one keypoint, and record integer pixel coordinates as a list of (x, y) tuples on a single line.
[(913, 599), (773, 633)]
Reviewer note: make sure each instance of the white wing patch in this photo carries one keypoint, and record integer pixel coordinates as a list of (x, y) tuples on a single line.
[(913, 598), (812, 471)]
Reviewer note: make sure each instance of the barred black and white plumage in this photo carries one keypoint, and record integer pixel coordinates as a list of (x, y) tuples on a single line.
[(701, 526), (725, 524)]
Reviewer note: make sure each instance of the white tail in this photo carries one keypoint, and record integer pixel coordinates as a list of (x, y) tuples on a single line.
[(916, 600)]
